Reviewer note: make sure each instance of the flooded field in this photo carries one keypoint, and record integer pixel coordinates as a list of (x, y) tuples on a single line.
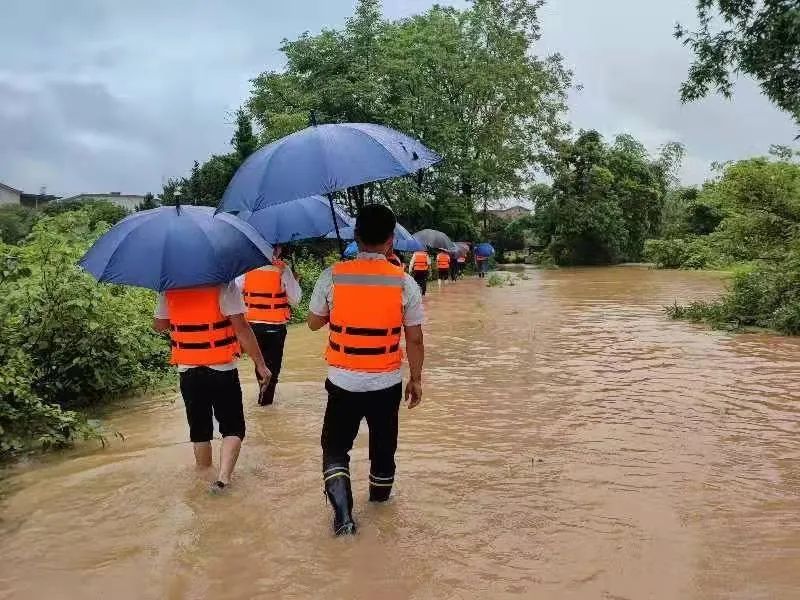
[(573, 443)]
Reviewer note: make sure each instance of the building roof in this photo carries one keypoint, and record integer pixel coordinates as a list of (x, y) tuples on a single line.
[(101, 195), (9, 188)]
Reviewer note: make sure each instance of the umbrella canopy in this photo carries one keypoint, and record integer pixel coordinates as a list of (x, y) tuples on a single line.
[(436, 239), (298, 220), (323, 159), (484, 249), (403, 240), (463, 248), (176, 247)]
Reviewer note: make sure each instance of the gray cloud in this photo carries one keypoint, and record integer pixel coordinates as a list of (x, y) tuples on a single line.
[(101, 96)]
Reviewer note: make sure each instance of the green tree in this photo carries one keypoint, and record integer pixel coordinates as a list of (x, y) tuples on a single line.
[(758, 37), (466, 82), (148, 203), (16, 223), (244, 141)]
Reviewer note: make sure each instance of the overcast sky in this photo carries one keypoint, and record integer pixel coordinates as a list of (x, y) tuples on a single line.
[(105, 95)]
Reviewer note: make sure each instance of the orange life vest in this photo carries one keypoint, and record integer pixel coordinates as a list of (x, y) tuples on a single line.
[(480, 258), (366, 319), (265, 296), (443, 260), (419, 262), (461, 259), (200, 334)]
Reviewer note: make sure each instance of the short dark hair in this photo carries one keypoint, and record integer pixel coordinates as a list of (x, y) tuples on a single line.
[(375, 224)]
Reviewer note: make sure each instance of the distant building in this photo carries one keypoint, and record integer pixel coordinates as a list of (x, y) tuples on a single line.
[(36, 200), (511, 213), (9, 196), (126, 201)]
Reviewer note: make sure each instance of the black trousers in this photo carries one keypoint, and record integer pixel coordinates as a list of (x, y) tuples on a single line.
[(343, 416), (421, 277), (271, 339)]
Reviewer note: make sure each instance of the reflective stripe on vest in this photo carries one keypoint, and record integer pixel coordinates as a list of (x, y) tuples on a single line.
[(199, 333), (366, 320), (264, 295), (443, 260), (419, 262)]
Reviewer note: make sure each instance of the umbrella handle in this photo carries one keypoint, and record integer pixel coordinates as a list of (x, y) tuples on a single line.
[(336, 226)]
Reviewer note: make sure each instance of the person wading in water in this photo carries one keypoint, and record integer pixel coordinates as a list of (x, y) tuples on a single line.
[(367, 303), (208, 330), (269, 293)]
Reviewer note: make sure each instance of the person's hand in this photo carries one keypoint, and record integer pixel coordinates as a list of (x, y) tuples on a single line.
[(413, 392), (263, 374)]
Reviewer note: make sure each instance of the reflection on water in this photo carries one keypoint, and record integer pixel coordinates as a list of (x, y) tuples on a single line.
[(573, 444)]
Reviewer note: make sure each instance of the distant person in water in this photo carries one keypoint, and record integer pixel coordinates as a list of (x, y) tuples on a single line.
[(420, 267), (482, 264), (269, 293), (208, 330), (367, 304), (443, 265)]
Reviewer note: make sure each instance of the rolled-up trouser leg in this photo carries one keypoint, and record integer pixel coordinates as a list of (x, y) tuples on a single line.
[(382, 419)]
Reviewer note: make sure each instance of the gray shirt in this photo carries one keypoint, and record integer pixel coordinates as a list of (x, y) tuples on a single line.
[(413, 314)]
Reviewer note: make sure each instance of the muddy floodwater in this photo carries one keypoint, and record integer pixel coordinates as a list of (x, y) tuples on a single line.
[(573, 443)]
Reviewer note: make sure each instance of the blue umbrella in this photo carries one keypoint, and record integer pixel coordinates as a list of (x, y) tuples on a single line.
[(484, 249), (298, 220), (176, 247), (403, 240), (323, 159), (351, 250)]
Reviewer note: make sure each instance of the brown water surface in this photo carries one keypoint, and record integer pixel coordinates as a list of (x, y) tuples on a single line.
[(573, 443)]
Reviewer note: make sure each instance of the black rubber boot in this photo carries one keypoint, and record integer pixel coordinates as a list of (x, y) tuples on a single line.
[(337, 488), (380, 487)]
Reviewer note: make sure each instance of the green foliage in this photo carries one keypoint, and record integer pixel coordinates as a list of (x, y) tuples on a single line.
[(677, 253), (207, 182), (67, 341), (466, 82), (308, 269), (93, 212), (16, 223), (759, 201), (148, 203), (759, 38), (605, 201), (495, 280), (765, 296)]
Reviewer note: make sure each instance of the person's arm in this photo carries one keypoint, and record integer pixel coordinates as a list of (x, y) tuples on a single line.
[(247, 339), (293, 290), (161, 314), (415, 350), (316, 322), (318, 307)]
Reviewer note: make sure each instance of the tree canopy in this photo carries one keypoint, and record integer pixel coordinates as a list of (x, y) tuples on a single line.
[(758, 37)]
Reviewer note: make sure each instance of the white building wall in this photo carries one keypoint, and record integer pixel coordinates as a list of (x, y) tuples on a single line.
[(8, 197)]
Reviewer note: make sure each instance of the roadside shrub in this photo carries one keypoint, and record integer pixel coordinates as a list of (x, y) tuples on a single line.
[(495, 280), (67, 340), (677, 253), (16, 223), (308, 269), (767, 295)]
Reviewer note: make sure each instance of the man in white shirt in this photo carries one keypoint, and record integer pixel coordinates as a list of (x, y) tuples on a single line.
[(269, 292), (208, 330), (367, 302)]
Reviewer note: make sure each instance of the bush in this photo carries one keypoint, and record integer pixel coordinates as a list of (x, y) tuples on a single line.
[(495, 280), (690, 253), (67, 341), (767, 295), (16, 223), (308, 268)]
